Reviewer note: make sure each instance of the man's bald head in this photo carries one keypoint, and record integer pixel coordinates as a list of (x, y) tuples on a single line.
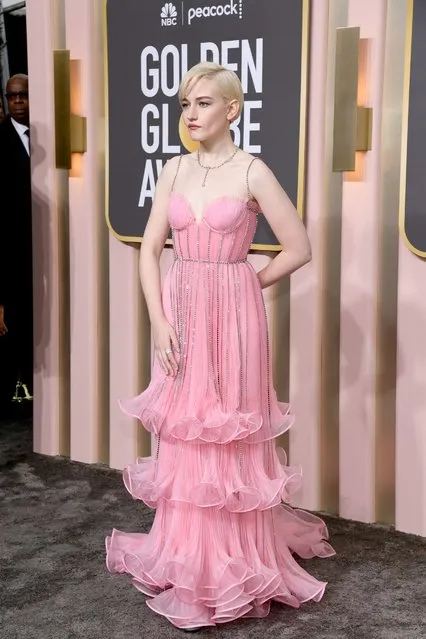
[(17, 98)]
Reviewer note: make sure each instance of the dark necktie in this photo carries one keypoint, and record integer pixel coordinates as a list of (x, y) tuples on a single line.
[(27, 133)]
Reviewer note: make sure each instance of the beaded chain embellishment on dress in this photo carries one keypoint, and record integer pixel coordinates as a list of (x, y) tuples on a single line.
[(222, 542)]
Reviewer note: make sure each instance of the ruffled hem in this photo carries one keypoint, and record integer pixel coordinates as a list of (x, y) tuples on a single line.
[(144, 482), (193, 587), (218, 427)]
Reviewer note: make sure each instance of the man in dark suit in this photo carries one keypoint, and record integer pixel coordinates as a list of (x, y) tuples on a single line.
[(16, 335)]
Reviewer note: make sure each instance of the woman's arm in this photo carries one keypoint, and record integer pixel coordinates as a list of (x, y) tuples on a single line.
[(156, 232), (284, 222)]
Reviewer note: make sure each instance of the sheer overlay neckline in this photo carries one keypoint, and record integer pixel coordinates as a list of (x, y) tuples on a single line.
[(245, 202)]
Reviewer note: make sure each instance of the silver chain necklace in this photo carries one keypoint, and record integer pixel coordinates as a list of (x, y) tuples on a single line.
[(217, 166)]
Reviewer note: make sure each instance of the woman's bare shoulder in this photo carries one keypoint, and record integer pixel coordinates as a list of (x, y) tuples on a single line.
[(249, 159)]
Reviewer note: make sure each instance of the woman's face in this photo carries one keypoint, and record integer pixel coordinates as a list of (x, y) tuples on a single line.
[(205, 111)]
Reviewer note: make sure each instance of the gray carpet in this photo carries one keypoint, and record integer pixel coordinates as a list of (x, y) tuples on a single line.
[(54, 515)]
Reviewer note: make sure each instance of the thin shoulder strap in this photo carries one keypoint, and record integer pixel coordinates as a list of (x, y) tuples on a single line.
[(249, 193), (176, 174)]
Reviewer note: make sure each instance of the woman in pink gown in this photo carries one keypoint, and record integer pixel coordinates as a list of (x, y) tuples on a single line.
[(223, 538)]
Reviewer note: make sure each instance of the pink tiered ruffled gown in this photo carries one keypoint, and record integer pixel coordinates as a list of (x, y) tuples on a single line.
[(222, 542)]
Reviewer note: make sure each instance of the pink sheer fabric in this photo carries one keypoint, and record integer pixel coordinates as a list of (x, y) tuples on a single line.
[(222, 543)]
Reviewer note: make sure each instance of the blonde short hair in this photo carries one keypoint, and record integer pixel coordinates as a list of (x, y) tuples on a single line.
[(228, 82)]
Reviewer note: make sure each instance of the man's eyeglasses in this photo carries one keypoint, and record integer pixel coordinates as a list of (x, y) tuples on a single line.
[(21, 95)]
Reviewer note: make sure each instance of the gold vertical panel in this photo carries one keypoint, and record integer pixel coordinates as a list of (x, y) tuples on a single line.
[(78, 134), (394, 102), (330, 349), (345, 98), (61, 70), (280, 347), (144, 347), (103, 286), (62, 216), (364, 128), (330, 284)]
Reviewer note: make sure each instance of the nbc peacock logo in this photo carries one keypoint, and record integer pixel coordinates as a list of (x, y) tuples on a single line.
[(169, 15)]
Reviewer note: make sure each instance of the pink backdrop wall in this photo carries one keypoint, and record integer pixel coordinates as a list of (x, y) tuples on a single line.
[(359, 401)]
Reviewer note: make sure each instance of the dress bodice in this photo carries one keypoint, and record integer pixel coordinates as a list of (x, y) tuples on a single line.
[(222, 235)]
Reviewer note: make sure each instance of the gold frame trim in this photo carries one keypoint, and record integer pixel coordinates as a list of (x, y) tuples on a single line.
[(301, 180), (405, 120), (303, 122)]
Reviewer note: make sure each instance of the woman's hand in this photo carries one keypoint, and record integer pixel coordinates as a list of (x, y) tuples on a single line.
[(166, 346)]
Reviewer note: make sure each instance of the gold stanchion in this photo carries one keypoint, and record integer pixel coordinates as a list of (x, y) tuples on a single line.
[(22, 393)]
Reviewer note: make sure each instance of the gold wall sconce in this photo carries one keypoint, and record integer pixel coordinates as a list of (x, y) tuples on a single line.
[(352, 123), (70, 128)]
